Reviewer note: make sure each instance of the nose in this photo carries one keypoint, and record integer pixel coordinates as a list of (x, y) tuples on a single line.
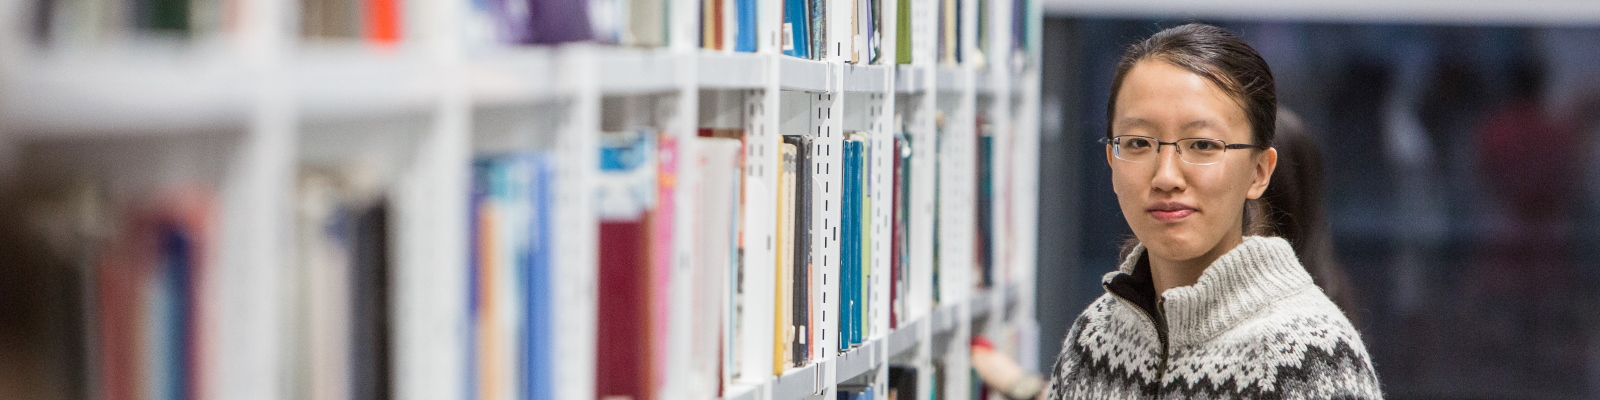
[(1169, 173)]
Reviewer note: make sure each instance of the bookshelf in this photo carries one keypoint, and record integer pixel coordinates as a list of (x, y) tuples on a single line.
[(241, 107)]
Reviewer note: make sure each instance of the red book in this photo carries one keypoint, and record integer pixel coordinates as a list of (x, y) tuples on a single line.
[(623, 354), (626, 201)]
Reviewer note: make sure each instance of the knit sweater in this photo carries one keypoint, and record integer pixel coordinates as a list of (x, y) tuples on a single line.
[(1253, 326)]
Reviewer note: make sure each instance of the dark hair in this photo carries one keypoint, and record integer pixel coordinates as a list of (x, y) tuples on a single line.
[(1294, 208), (1219, 56), (1225, 60)]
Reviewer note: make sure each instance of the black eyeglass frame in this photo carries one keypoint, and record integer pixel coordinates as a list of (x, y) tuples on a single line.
[(1237, 146)]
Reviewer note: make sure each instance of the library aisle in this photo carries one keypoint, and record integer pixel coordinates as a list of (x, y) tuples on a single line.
[(491, 199)]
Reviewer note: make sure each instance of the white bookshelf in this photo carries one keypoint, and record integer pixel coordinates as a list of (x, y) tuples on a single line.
[(262, 102)]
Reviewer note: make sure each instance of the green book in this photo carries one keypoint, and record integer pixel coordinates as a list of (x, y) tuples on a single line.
[(902, 37)]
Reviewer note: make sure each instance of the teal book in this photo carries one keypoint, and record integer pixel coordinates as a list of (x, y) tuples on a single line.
[(796, 29)]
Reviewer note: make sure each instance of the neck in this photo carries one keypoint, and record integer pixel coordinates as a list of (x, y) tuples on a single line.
[(1167, 273)]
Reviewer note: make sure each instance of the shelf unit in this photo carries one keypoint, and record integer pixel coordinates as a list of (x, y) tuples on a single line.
[(262, 102)]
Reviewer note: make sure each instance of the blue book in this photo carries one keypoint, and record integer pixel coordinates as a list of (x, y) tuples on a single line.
[(173, 312), (482, 169), (850, 252), (796, 29), (744, 38), (857, 335), (540, 307)]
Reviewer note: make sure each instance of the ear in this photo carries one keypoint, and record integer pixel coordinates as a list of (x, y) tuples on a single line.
[(1265, 163), (1108, 154)]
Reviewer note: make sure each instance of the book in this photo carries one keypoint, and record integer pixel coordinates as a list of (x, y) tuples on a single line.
[(783, 315), (559, 21), (864, 276), (984, 252), (647, 23), (733, 332), (902, 382), (538, 361), (625, 201), (796, 28), (383, 21), (851, 240), (874, 30), (662, 256), (745, 26), (818, 29), (801, 310), (341, 285), (899, 247), (716, 251), (148, 311), (330, 19), (902, 38), (949, 32), (711, 24), (512, 311)]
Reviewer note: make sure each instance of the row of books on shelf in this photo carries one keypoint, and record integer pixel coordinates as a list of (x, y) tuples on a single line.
[(153, 333), (723, 24)]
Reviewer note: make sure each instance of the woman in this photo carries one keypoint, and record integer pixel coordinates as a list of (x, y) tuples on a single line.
[(1198, 309)]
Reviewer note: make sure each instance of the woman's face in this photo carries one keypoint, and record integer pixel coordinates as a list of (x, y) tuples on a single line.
[(1183, 211)]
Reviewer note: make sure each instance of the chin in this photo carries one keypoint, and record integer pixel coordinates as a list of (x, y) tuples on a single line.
[(1173, 244)]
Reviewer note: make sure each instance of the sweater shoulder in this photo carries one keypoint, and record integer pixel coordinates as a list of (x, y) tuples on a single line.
[(1301, 344)]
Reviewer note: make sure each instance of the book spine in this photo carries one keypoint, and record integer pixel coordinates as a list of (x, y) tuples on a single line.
[(626, 203), (383, 18), (745, 28), (802, 248), (539, 362), (796, 28), (902, 49)]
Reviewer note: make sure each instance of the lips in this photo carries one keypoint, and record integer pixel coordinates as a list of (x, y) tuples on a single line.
[(1170, 211)]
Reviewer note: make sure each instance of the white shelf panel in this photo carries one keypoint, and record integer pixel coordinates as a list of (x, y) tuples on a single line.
[(948, 79), (798, 383), (865, 78), (742, 392), (732, 71), (338, 84), (980, 304), (906, 338), (857, 361), (803, 75), (520, 74), (625, 71), (96, 95), (910, 79), (1013, 297), (983, 83), (943, 320)]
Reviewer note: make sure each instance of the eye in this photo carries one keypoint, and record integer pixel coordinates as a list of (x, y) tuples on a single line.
[(1204, 145), (1137, 143)]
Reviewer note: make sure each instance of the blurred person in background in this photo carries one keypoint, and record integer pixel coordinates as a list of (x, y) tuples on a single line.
[(1293, 208), (1197, 308)]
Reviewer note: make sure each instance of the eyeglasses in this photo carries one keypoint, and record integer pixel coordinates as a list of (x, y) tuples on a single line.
[(1195, 151)]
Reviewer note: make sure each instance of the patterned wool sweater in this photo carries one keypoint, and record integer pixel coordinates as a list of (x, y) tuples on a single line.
[(1253, 326)]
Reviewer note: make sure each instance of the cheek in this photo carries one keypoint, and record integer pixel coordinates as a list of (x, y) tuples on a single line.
[(1224, 189), (1127, 187)]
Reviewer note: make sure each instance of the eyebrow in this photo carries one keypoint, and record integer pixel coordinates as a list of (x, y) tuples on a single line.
[(1141, 122)]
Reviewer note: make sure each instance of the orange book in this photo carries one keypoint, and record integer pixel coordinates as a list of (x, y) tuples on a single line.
[(383, 19)]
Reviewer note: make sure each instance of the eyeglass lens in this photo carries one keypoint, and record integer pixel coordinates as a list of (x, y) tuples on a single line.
[(1199, 151)]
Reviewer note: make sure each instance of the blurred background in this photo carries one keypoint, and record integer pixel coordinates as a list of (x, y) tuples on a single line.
[(1461, 172)]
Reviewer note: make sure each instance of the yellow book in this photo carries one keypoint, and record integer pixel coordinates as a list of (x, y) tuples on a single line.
[(783, 328)]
